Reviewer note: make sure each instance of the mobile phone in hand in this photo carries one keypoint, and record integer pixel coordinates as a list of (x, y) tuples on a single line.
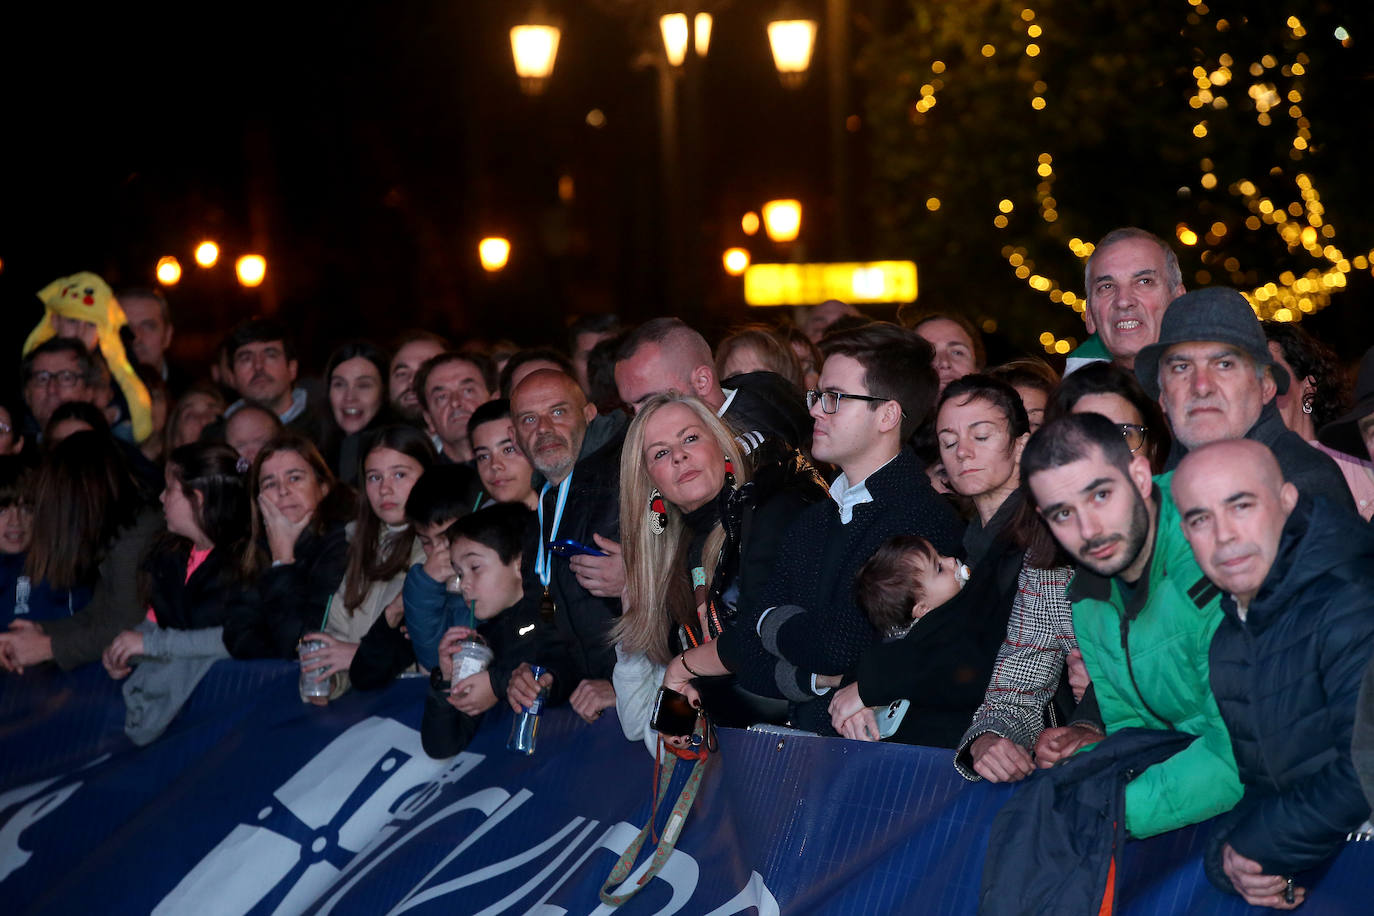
[(673, 713)]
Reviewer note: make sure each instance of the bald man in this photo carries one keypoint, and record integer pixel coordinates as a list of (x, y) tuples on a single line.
[(664, 354), (1285, 663), (579, 500)]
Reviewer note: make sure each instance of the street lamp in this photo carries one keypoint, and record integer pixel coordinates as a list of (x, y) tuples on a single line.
[(168, 271), (674, 29), (534, 47), (207, 253), (493, 252), (782, 220), (251, 269), (792, 41), (736, 261), (703, 33)]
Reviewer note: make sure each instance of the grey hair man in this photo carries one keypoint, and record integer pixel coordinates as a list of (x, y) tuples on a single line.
[(1216, 379), (1128, 282)]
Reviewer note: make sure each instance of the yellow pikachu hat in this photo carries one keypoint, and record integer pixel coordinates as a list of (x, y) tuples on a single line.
[(86, 297)]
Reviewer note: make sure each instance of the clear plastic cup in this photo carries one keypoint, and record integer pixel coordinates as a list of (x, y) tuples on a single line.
[(309, 686)]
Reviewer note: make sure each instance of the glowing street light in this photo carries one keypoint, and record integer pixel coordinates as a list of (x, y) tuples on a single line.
[(702, 33), (207, 253), (749, 223), (168, 271), (792, 41), (534, 47), (674, 29), (251, 269), (493, 252), (736, 261), (782, 219)]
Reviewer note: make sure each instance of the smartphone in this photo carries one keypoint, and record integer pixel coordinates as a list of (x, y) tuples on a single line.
[(570, 548), (890, 719), (673, 713)]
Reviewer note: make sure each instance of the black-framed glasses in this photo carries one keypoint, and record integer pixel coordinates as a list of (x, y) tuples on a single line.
[(1134, 435), (830, 400)]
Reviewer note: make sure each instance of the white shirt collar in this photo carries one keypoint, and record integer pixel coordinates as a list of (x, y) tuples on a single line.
[(847, 495), (729, 396)]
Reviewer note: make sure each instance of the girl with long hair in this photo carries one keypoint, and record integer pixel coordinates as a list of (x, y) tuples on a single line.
[(382, 548), (91, 528), (297, 553)]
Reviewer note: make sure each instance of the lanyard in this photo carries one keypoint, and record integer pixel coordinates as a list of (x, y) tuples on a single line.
[(543, 560)]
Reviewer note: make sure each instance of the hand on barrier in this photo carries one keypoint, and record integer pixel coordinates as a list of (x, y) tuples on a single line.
[(1257, 888), (120, 652), (591, 698), (521, 690), (999, 759), (1056, 744)]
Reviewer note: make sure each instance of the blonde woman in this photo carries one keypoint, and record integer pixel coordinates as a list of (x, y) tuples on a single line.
[(700, 525)]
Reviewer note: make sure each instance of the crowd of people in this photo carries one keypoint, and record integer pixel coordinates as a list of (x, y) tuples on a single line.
[(839, 525)]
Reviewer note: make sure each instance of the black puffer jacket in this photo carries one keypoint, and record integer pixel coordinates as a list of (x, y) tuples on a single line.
[(1286, 681)]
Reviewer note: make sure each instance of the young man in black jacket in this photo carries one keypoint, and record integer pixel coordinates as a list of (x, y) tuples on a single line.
[(1285, 662)]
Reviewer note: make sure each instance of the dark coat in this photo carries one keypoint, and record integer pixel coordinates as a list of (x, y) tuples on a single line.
[(582, 648), (1286, 680), (267, 619), (1051, 846), (943, 665), (816, 572), (197, 603), (755, 518)]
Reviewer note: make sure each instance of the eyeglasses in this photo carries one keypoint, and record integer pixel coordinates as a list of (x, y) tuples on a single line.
[(830, 400), (1134, 435), (66, 378)]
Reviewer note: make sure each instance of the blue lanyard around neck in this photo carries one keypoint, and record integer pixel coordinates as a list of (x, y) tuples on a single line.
[(543, 561)]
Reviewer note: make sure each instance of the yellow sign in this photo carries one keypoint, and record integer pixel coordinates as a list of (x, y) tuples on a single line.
[(812, 284)]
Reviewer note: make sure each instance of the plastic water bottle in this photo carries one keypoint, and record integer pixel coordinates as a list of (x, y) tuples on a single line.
[(525, 730)]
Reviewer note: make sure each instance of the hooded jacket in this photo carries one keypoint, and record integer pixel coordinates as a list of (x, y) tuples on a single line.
[(1286, 679)]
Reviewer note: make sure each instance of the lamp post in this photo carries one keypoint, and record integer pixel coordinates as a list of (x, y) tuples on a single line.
[(782, 220), (534, 45), (792, 41), (251, 269)]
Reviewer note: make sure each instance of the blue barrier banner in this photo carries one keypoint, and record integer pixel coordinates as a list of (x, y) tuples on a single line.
[(253, 802)]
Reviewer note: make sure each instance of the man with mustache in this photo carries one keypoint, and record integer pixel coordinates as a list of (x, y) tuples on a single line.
[(264, 368), (1143, 613), (1213, 374), (451, 386), (1286, 662), (580, 500)]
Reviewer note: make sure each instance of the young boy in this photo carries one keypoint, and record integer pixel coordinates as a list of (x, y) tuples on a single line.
[(432, 602), (905, 579), (485, 548)]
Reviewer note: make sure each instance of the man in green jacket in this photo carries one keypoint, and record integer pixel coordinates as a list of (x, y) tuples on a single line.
[(1143, 613)]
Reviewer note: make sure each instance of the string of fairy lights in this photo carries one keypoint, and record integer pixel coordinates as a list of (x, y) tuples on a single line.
[(1301, 223)]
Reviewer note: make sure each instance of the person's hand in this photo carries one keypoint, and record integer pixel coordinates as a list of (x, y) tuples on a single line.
[(522, 690), (473, 695), (282, 533), (23, 645), (604, 576), (862, 726), (448, 644), (119, 654), (999, 759), (336, 656), (439, 565), (1078, 675), (1055, 744), (591, 697), (844, 704), (678, 678), (1258, 889), (395, 612)]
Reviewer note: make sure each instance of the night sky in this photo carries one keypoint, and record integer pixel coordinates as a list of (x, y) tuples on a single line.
[(364, 153)]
